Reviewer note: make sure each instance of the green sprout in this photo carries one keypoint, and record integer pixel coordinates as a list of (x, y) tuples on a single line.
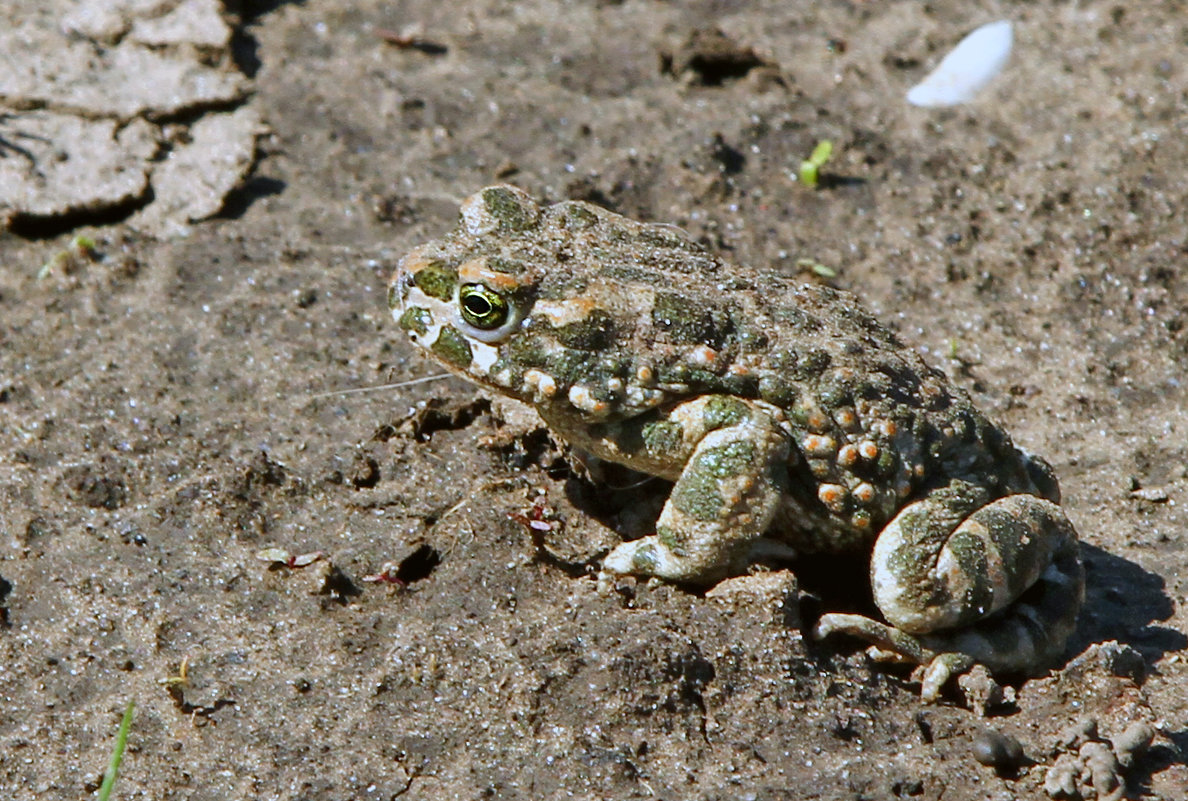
[(816, 268), (117, 754), (809, 173), (64, 261)]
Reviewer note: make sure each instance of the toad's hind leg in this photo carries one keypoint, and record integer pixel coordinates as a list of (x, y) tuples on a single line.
[(1000, 583)]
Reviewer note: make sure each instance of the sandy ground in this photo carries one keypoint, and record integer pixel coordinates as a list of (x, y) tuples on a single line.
[(164, 416)]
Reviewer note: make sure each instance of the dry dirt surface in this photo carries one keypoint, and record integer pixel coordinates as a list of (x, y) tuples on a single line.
[(201, 206)]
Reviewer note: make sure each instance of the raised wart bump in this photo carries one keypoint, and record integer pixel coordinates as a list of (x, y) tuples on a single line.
[(416, 319), (513, 210), (452, 347), (437, 280)]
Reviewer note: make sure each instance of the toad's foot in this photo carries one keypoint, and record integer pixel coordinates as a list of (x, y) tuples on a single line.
[(891, 643)]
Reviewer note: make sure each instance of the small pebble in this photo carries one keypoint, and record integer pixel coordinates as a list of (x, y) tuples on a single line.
[(1152, 494), (997, 750)]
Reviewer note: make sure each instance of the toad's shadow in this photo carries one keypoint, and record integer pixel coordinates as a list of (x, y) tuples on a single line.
[(1124, 602)]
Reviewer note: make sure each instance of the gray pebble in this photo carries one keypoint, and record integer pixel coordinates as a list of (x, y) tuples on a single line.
[(997, 750)]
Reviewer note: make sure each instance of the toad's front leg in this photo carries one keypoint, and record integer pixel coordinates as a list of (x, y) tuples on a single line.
[(732, 456), (961, 578)]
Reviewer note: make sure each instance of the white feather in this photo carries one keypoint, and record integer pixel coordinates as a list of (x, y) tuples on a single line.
[(967, 69)]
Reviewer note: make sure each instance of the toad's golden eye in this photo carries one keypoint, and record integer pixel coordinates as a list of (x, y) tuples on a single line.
[(481, 307)]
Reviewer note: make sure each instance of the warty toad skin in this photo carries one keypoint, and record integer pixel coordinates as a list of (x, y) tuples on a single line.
[(790, 420)]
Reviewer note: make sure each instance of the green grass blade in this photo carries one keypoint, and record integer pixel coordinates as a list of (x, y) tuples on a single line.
[(810, 169), (117, 754)]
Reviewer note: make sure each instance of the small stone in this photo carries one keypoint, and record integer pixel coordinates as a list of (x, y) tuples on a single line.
[(1112, 657), (981, 691), (775, 592), (1150, 494), (1000, 751)]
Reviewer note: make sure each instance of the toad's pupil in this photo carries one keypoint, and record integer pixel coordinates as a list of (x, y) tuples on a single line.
[(477, 305)]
